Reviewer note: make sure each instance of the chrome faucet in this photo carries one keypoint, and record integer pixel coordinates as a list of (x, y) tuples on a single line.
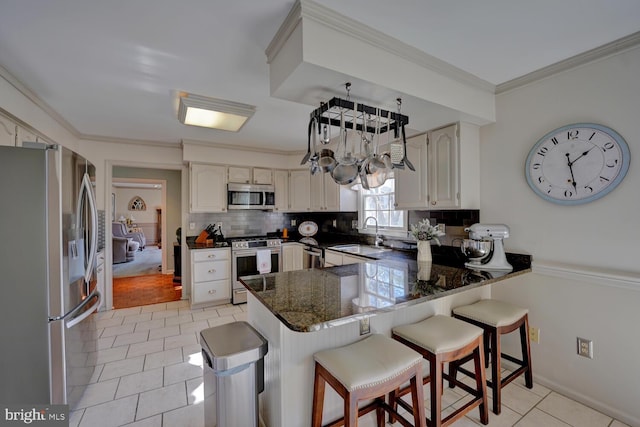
[(378, 240)]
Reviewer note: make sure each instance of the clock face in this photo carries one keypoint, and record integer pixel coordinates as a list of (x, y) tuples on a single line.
[(577, 163)]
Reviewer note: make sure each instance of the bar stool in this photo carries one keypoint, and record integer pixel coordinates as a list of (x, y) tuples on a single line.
[(498, 318), (368, 369), (441, 339)]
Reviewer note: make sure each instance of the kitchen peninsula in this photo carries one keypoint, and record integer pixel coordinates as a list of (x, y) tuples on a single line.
[(304, 311)]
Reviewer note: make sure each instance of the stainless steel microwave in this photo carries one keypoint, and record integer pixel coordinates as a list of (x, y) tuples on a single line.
[(250, 196)]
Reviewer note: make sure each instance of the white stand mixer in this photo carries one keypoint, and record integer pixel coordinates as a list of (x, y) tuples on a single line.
[(495, 259)]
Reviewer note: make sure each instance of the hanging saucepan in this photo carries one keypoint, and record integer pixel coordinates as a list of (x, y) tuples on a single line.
[(327, 161), (346, 170)]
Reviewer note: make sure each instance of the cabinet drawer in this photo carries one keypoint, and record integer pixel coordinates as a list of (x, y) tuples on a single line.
[(211, 291), (211, 254), (210, 270)]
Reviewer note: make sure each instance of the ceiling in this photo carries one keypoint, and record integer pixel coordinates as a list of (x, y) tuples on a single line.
[(113, 69)]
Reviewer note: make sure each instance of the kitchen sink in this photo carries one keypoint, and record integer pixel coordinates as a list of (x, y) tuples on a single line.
[(360, 249)]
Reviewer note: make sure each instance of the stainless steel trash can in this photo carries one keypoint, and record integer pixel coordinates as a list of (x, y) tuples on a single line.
[(233, 356)]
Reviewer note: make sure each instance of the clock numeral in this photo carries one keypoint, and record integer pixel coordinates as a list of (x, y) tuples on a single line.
[(536, 166), (573, 134), (543, 151), (602, 178), (554, 140), (540, 179), (568, 193), (615, 162), (588, 188), (592, 135), (608, 146), (549, 190)]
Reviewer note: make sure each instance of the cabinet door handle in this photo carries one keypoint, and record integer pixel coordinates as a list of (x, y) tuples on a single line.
[(212, 291), (213, 270), (211, 256), (433, 203)]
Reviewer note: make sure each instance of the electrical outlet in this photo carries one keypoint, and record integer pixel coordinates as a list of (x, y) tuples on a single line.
[(192, 226), (585, 347), (354, 224), (442, 227), (365, 326), (334, 223), (293, 222), (534, 334)]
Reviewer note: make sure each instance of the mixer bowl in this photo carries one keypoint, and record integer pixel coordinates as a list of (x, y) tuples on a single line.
[(476, 250)]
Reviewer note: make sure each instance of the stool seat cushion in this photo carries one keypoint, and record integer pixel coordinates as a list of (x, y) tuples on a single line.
[(439, 334), (369, 362), (491, 312)]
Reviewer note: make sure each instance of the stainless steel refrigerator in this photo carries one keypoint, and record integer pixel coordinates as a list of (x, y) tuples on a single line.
[(48, 239)]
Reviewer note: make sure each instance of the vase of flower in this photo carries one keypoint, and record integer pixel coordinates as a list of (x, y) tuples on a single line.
[(424, 250), (424, 270), (424, 233)]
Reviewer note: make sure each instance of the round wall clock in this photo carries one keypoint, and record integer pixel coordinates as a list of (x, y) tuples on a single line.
[(577, 163)]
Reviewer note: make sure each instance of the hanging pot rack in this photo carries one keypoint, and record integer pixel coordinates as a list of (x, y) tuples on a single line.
[(363, 168), (329, 113)]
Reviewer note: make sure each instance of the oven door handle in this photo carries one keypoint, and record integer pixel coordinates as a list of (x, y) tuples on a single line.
[(249, 252)]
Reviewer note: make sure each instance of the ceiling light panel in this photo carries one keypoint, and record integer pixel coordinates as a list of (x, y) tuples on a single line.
[(213, 113)]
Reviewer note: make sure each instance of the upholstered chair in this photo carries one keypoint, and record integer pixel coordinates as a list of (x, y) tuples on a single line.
[(118, 229)]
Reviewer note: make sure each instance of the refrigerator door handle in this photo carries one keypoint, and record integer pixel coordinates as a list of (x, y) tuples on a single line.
[(75, 320), (86, 188)]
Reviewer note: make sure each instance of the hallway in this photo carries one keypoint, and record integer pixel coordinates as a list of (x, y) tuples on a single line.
[(144, 290)]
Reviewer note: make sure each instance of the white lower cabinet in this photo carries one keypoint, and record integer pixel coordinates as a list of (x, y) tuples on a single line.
[(333, 258), (292, 256), (210, 276)]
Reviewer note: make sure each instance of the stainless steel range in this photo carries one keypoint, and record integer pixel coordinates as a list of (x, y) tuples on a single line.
[(244, 262)]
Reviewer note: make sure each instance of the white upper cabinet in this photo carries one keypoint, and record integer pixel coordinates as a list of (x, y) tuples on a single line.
[(447, 170), (299, 194), (281, 184), (239, 175), (246, 175), (411, 187), (7, 132), (443, 165), (262, 176), (328, 196), (208, 188)]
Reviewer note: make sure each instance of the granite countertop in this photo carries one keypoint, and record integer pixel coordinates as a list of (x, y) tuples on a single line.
[(313, 299)]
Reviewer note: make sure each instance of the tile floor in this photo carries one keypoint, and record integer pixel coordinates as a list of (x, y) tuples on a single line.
[(150, 375)]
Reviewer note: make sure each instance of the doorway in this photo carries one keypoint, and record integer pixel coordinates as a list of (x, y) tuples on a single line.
[(146, 204)]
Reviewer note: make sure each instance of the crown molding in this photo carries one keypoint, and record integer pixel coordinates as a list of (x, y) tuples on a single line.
[(609, 49), (130, 141), (28, 93), (308, 9), (239, 147)]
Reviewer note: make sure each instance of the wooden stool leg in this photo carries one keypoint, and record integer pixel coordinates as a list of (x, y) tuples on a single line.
[(380, 413), (486, 336), (350, 411), (318, 399), (495, 371), (435, 371), (526, 352), (417, 396), (481, 383)]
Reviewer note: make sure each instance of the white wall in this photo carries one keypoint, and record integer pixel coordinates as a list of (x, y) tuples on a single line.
[(593, 290), (152, 198)]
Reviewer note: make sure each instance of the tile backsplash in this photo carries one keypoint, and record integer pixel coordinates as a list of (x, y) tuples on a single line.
[(255, 222)]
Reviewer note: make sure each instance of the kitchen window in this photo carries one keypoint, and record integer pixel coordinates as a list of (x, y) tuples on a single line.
[(380, 204)]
